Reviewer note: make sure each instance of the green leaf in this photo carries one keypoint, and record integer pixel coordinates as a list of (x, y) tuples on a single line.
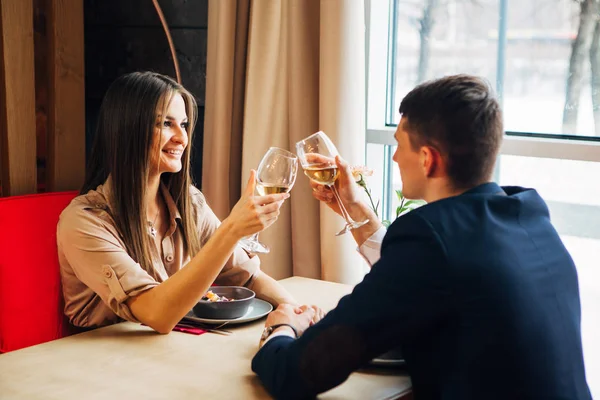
[(386, 223), (400, 210), (399, 194), (413, 203)]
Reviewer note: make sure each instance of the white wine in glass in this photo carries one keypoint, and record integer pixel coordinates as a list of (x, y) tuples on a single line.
[(276, 174), (317, 155), (325, 174), (264, 189)]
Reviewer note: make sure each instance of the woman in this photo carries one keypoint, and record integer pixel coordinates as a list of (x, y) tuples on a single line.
[(123, 242)]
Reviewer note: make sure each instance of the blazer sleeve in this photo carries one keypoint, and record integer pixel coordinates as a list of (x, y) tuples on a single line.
[(405, 293)]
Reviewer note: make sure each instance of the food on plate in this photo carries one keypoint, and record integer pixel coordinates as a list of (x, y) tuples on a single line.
[(210, 296)]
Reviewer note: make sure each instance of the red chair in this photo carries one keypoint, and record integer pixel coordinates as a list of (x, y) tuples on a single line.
[(31, 303)]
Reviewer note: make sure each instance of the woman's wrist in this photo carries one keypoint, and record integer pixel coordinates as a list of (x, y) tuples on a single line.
[(287, 300), (268, 289), (229, 231)]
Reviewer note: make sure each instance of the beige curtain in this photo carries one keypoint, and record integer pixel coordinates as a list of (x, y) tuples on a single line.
[(304, 72), (227, 45)]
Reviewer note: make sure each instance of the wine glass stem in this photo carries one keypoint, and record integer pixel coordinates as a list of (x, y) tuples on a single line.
[(342, 208)]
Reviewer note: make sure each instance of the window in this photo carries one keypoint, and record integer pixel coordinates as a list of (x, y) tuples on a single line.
[(550, 99)]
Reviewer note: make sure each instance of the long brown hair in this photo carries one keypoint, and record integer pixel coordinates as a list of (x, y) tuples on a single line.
[(124, 139)]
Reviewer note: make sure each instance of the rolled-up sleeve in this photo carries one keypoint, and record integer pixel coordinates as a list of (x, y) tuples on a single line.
[(370, 250), (241, 268), (98, 258)]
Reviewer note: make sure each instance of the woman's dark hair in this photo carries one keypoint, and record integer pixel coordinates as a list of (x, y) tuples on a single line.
[(126, 135)]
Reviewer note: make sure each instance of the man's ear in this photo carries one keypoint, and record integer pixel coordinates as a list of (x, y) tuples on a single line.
[(432, 163)]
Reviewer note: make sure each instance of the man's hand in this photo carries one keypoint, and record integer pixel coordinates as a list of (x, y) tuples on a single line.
[(349, 192), (299, 317), (347, 188)]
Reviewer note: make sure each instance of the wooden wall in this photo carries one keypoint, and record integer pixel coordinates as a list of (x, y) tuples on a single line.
[(17, 98), (23, 89), (66, 96)]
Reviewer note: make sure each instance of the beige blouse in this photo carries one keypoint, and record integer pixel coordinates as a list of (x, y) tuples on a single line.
[(98, 275)]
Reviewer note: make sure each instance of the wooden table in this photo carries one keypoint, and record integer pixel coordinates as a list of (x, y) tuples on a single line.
[(130, 361)]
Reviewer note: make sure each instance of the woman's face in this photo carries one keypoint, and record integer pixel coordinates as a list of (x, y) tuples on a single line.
[(171, 132)]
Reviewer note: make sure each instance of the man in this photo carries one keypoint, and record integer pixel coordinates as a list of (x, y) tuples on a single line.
[(476, 287)]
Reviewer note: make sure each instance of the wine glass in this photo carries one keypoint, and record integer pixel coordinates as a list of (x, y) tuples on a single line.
[(276, 174), (317, 155)]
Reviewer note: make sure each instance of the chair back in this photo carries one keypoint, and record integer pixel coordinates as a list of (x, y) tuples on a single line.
[(31, 301)]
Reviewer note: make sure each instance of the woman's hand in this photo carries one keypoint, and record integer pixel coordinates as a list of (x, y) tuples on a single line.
[(319, 314), (253, 213)]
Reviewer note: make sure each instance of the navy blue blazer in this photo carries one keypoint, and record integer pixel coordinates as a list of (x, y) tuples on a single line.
[(479, 292)]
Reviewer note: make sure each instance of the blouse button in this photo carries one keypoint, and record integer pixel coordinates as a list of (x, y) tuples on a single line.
[(108, 273), (169, 258)]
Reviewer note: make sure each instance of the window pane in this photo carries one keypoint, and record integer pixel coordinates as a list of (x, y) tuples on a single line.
[(539, 42), (437, 38)]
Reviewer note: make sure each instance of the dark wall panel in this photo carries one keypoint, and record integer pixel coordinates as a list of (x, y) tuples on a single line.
[(179, 13)]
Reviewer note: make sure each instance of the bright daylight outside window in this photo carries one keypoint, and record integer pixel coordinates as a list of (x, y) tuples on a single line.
[(543, 58)]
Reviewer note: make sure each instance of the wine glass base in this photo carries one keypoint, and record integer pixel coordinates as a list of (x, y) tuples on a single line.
[(252, 246), (351, 225)]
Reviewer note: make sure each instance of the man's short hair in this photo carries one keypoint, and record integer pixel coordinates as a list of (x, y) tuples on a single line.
[(460, 117)]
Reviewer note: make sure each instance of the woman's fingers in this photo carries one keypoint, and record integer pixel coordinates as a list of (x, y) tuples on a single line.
[(251, 184), (270, 198), (270, 218), (269, 208)]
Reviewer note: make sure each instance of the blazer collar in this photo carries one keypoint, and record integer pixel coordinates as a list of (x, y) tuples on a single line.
[(486, 188)]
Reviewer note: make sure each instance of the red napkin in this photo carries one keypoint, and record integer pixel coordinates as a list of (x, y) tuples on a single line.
[(187, 329)]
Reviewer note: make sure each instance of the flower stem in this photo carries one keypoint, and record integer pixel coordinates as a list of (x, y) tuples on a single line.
[(361, 182), (371, 200)]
